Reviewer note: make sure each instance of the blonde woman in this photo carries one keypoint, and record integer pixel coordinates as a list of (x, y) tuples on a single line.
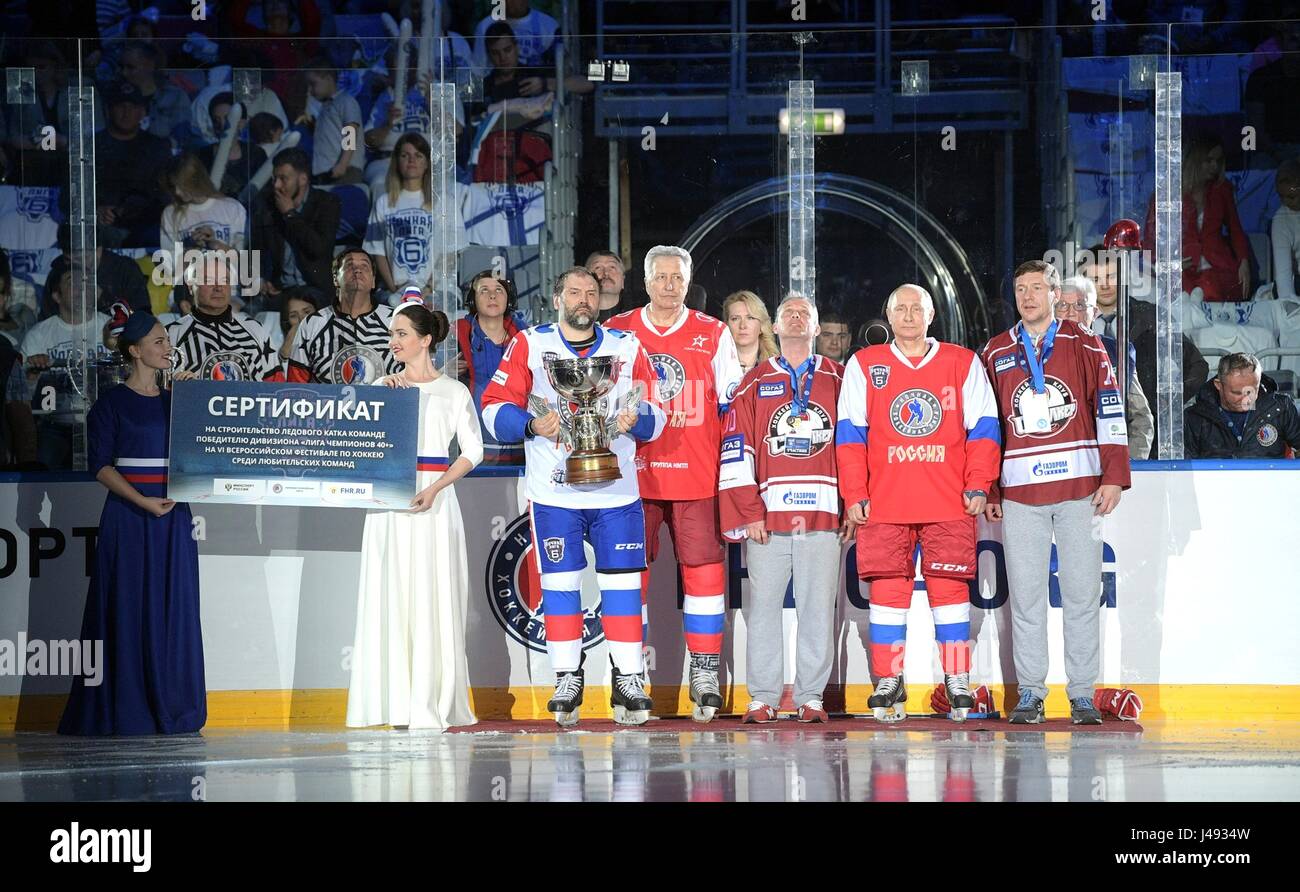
[(199, 216), (403, 234), (751, 327)]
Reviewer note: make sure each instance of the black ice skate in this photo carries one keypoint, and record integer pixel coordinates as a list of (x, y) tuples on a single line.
[(889, 702), (568, 697), (628, 698), (960, 700), (705, 693)]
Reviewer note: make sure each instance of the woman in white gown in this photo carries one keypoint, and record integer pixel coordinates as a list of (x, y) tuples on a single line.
[(408, 658)]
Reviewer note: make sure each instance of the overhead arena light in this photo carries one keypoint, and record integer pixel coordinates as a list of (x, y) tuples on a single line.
[(825, 121)]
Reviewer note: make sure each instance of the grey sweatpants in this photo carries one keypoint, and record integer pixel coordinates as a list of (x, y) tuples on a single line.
[(816, 586), (1027, 541)]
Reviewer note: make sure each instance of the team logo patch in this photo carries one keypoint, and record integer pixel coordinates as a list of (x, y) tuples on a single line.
[(767, 390), (554, 549), (879, 375), (670, 374), (1003, 363), (1267, 435), (356, 364), (799, 437), (225, 366), (1061, 408), (514, 591), (915, 413)]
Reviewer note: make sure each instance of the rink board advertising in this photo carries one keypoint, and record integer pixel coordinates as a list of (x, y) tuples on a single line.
[(314, 445)]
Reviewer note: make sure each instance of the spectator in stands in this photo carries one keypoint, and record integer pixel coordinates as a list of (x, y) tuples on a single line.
[(1078, 304), (1218, 266), (534, 31), (836, 336), (60, 343), (1285, 231), (1270, 94), (167, 106), (213, 120), (1102, 269), (199, 216), (27, 136), (265, 131), (751, 328), (610, 275), (292, 312), (338, 149), (508, 81), (294, 227), (389, 120), (127, 163), (17, 304), (1240, 414), (404, 235), (117, 278), (17, 427), (481, 337), (286, 39)]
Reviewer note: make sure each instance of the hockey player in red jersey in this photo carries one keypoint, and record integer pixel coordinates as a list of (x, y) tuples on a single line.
[(1065, 465), (698, 371), (778, 492), (917, 445)]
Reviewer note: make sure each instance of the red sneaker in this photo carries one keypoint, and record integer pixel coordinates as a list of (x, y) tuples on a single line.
[(758, 713), (812, 711)]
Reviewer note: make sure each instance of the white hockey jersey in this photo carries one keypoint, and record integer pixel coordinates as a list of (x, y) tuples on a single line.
[(522, 374)]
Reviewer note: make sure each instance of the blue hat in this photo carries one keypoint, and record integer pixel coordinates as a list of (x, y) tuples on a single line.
[(137, 326)]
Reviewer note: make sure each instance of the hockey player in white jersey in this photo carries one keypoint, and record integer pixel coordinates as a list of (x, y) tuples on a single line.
[(608, 513)]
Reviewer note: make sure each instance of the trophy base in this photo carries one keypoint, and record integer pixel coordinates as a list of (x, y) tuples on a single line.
[(592, 467)]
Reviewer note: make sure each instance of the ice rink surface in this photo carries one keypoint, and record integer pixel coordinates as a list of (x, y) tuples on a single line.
[(852, 760)]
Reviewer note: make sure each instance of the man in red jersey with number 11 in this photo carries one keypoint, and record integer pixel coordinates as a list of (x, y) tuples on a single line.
[(694, 358)]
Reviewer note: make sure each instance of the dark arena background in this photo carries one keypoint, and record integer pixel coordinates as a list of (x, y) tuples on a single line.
[(832, 148)]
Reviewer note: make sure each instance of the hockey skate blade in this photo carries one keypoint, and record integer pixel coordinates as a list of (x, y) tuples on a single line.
[(625, 716), (566, 719), (888, 714), (704, 714), (959, 713)]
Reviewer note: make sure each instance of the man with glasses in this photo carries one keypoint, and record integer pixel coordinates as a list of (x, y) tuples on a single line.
[(1078, 304)]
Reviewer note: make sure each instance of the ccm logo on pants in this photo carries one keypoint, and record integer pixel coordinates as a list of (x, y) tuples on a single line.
[(629, 546)]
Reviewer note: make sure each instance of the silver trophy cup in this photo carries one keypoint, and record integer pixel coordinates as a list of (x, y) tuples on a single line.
[(588, 429)]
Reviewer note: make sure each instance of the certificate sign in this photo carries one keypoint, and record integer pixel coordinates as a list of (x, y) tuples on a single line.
[(319, 445)]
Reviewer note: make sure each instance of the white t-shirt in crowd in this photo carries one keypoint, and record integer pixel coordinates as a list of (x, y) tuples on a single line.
[(327, 138), (1286, 251), (408, 235), (59, 341), (224, 216)]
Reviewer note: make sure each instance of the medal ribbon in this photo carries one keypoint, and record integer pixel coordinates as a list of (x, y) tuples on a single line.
[(1029, 356)]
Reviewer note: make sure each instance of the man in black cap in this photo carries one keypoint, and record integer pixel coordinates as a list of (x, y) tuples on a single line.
[(127, 163)]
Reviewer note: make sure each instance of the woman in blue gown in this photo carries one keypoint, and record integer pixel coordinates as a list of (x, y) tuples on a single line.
[(144, 593)]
